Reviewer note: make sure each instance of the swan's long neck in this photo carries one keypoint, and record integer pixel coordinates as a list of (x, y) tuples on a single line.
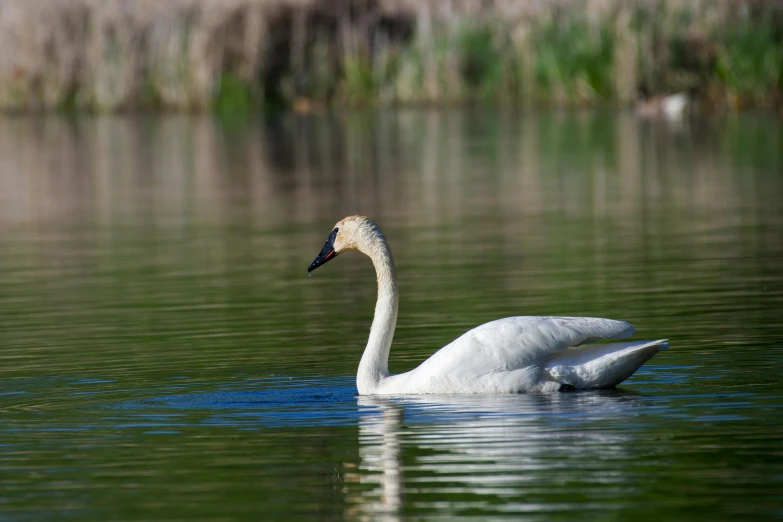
[(374, 366)]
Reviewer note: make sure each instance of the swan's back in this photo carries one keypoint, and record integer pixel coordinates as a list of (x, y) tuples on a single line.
[(517, 342)]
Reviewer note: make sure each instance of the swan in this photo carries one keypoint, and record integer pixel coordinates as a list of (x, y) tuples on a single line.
[(511, 355), (670, 107)]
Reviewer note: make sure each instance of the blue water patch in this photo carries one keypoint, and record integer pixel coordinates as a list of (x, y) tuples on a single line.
[(287, 402), (263, 398), (276, 403), (254, 403)]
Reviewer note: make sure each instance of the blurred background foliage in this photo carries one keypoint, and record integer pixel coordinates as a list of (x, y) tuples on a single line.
[(233, 55)]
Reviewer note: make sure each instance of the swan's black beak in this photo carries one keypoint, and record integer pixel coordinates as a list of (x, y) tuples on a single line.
[(327, 252)]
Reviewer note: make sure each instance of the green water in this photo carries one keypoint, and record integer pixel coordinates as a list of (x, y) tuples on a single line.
[(163, 354)]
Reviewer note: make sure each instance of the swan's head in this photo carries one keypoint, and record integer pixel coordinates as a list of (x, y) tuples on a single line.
[(351, 233)]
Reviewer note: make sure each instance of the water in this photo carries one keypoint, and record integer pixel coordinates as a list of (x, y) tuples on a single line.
[(164, 356)]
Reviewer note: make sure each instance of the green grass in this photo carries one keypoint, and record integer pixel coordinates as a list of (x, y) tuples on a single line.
[(574, 63), (750, 63), (234, 95)]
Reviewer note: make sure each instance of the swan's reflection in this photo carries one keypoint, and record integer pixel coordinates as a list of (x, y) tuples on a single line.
[(380, 470), (473, 448)]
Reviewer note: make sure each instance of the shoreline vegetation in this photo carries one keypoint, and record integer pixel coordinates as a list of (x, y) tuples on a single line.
[(238, 55)]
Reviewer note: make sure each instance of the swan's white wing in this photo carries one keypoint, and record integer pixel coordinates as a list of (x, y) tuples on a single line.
[(517, 343), (601, 365)]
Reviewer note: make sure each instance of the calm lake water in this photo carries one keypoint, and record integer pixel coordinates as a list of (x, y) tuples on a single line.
[(163, 354)]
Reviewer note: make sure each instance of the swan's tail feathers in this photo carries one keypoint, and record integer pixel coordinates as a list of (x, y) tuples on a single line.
[(601, 365)]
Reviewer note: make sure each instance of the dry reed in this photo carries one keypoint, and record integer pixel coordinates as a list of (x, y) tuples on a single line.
[(235, 54)]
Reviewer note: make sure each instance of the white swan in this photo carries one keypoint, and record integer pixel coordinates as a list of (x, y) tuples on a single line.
[(516, 354)]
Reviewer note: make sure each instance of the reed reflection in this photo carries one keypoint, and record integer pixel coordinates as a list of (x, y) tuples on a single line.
[(426, 168)]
